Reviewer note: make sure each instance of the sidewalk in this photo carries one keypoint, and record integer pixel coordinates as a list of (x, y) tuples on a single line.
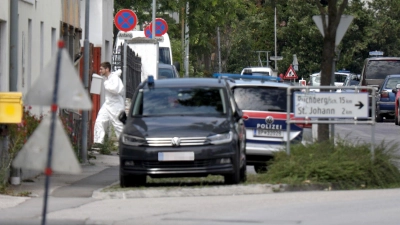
[(36, 185)]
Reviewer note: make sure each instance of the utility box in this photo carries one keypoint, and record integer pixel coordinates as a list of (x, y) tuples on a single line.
[(95, 86), (11, 107)]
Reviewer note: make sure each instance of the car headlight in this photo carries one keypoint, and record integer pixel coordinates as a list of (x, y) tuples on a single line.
[(133, 140), (220, 138)]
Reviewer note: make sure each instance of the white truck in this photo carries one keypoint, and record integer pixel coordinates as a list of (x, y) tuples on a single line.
[(154, 54), (165, 52), (148, 50)]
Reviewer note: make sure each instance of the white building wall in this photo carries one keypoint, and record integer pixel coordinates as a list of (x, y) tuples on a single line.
[(37, 22), (4, 45), (108, 25), (101, 22)]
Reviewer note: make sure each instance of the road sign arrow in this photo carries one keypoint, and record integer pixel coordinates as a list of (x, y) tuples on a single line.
[(360, 105)]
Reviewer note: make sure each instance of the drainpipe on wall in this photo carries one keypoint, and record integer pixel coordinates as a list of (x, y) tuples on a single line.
[(85, 113), (15, 173)]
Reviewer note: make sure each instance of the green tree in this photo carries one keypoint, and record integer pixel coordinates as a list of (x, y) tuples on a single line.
[(333, 12), (386, 30)]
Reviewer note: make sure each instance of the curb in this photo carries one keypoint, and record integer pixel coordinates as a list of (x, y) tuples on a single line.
[(230, 190)]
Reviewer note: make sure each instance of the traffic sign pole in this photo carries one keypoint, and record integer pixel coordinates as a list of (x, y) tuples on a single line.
[(343, 25)]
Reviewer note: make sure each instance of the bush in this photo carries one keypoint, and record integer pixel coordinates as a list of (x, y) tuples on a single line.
[(345, 165), (18, 134)]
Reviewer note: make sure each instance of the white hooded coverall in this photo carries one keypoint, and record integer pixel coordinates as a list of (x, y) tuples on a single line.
[(112, 106)]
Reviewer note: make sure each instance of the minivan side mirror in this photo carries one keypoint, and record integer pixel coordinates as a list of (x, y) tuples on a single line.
[(238, 114), (122, 117)]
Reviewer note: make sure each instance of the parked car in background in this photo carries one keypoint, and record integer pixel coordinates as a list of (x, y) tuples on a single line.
[(375, 70), (264, 107), (385, 99), (262, 71), (351, 80), (166, 71), (397, 105), (315, 79), (187, 127)]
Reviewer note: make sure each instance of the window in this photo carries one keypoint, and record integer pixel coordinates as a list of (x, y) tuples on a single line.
[(261, 98), (165, 73), (340, 77), (164, 55), (379, 69), (180, 101), (392, 82)]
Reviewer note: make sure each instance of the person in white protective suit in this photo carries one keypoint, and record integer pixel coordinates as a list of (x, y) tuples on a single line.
[(112, 106)]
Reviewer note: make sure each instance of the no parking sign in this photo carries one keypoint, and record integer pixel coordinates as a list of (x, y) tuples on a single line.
[(161, 28), (125, 20)]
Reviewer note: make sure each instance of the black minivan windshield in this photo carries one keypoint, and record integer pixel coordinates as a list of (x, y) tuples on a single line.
[(379, 69), (180, 101)]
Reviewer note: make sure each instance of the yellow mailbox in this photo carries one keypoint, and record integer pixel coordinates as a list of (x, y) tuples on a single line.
[(11, 107)]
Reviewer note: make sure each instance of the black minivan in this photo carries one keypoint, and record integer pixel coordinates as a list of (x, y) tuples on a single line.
[(187, 127)]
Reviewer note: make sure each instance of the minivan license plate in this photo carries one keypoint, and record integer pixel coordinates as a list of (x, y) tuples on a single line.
[(267, 133), (176, 156)]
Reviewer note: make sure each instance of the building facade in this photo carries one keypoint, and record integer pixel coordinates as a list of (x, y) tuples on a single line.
[(101, 24), (4, 45)]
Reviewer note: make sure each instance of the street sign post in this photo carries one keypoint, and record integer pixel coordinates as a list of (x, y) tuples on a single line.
[(344, 24), (331, 105), (295, 63), (273, 58), (125, 20)]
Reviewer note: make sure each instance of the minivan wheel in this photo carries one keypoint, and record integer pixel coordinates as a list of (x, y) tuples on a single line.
[(235, 177), (132, 181), (243, 172)]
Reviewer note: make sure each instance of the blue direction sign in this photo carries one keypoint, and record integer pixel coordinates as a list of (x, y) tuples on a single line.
[(125, 20)]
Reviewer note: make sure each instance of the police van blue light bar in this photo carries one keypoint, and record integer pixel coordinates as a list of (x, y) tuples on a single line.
[(150, 80), (249, 77)]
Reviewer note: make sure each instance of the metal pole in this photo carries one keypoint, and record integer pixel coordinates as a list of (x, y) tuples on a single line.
[(85, 113), (276, 61), (333, 84), (153, 23), (183, 34), (54, 108), (288, 100), (13, 83), (13, 45), (219, 52), (187, 41), (373, 124), (124, 67)]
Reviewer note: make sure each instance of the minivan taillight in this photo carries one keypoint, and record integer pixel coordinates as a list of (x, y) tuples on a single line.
[(385, 94)]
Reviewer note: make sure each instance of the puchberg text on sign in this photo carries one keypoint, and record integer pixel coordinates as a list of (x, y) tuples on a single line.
[(331, 105)]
